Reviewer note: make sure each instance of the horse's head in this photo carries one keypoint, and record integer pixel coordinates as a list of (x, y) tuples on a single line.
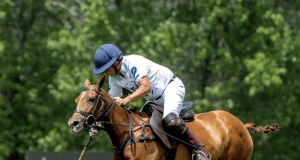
[(90, 104)]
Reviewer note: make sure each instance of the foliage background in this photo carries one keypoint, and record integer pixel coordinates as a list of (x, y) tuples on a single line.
[(241, 56)]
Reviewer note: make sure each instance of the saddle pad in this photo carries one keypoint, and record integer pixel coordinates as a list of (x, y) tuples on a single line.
[(156, 125)]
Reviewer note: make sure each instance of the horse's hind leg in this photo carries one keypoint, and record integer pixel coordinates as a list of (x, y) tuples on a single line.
[(241, 151)]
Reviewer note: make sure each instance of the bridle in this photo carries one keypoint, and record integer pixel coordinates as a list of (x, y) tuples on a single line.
[(91, 119)]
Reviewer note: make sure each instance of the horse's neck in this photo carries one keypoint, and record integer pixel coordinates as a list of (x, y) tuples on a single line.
[(119, 129)]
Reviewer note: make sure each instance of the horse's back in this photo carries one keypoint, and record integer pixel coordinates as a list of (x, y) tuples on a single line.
[(223, 135)]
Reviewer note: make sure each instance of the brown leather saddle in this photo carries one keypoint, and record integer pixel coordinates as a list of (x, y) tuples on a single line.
[(156, 113)]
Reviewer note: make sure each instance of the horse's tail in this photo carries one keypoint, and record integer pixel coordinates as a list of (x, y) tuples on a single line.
[(252, 128)]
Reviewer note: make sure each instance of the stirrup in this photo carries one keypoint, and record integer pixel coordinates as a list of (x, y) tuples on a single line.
[(201, 153)]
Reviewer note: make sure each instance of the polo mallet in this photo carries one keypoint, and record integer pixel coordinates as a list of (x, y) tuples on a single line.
[(87, 143)]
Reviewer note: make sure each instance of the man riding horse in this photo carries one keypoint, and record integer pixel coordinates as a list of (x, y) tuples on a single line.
[(152, 81)]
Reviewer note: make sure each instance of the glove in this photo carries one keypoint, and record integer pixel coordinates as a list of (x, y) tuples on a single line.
[(93, 132)]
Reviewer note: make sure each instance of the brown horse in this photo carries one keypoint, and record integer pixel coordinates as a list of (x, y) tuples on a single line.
[(223, 134)]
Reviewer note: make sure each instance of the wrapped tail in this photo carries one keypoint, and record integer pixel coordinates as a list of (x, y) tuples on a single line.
[(252, 128)]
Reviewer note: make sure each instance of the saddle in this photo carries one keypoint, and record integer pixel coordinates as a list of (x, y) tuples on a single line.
[(156, 113)]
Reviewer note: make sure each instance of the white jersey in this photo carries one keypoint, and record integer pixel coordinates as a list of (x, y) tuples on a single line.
[(135, 67)]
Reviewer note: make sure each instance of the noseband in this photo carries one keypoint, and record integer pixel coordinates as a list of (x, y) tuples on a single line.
[(91, 119)]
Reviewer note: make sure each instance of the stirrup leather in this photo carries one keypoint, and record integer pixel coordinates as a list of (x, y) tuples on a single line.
[(201, 154)]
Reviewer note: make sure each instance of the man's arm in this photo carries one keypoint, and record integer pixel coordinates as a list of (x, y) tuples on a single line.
[(142, 91)]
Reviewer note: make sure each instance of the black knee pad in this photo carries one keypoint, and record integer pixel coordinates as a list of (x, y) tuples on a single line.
[(175, 126)]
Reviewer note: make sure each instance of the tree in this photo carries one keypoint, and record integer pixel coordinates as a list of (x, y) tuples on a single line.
[(238, 56)]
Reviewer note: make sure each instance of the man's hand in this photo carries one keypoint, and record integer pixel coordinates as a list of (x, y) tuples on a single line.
[(143, 89), (121, 101)]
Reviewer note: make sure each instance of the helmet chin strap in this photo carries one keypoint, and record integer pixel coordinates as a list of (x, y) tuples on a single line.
[(116, 69), (119, 61)]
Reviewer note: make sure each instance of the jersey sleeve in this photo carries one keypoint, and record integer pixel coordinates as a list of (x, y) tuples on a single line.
[(113, 89)]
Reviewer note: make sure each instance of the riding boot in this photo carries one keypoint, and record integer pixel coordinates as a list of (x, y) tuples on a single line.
[(173, 124), (200, 154)]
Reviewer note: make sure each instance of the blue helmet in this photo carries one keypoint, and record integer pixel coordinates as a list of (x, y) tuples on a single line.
[(104, 57)]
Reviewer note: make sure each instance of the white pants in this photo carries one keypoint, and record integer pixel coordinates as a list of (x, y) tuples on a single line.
[(172, 98)]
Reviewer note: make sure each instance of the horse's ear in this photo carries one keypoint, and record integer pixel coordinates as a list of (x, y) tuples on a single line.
[(87, 83), (101, 82)]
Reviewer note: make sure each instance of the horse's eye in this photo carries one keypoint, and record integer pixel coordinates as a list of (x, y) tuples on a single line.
[(91, 99)]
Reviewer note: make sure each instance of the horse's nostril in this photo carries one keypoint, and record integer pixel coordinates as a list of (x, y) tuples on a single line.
[(75, 123)]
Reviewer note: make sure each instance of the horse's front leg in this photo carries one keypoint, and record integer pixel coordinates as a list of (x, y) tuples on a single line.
[(134, 151), (130, 152), (117, 156)]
